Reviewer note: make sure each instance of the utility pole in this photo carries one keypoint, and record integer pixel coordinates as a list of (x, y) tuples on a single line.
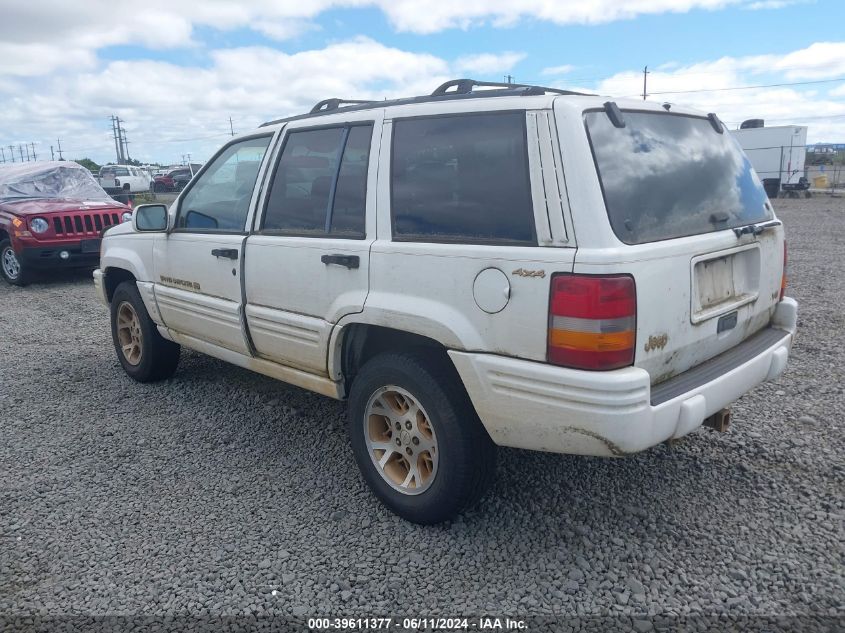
[(114, 133), (20, 149), (645, 78), (121, 139), (59, 141), (12, 152), (124, 144), (34, 157), (118, 139), (3, 151), (508, 79), (231, 128), (52, 155)]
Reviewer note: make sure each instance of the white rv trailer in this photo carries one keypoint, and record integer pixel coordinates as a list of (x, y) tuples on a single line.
[(777, 154)]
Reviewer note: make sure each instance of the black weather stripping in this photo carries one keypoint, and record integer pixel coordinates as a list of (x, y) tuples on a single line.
[(614, 114), (716, 123)]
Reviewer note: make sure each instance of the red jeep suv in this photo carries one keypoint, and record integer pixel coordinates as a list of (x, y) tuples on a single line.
[(52, 215)]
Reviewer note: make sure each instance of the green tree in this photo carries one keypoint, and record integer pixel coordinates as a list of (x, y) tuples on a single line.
[(88, 164)]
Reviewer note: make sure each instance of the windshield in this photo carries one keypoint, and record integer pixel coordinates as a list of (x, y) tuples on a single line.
[(666, 176), (49, 179)]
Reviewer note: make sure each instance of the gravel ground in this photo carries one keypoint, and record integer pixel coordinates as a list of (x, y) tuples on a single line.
[(221, 492)]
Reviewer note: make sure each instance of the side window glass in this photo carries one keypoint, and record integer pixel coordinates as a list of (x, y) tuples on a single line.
[(350, 200), (462, 179), (319, 187), (219, 200), (299, 197)]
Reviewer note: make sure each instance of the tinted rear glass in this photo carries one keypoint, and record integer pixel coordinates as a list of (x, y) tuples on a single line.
[(667, 176), (111, 172), (462, 178)]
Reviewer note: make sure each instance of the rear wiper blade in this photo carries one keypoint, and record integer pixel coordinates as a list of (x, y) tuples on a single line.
[(757, 228)]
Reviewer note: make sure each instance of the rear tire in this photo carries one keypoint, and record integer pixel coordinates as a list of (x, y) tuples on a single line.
[(12, 268), (146, 356), (414, 406)]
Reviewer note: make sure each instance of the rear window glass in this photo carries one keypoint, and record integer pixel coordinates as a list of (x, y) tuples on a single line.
[(666, 176), (462, 178), (110, 172)]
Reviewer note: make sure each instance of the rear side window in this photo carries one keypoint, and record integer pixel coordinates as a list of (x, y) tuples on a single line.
[(462, 178), (319, 187), (667, 175)]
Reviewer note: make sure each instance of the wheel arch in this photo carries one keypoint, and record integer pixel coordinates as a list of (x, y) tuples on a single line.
[(353, 344), (113, 277)]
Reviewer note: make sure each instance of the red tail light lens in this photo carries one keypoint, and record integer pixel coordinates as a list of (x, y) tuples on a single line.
[(783, 279), (592, 321)]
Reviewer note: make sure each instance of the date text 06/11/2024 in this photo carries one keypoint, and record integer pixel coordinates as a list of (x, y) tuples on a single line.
[(414, 624)]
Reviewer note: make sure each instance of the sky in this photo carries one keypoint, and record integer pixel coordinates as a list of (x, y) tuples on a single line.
[(175, 72)]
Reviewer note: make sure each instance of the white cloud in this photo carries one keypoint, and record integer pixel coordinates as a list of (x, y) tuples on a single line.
[(163, 102), (84, 27), (428, 16), (487, 63), (774, 4), (711, 86), (563, 69)]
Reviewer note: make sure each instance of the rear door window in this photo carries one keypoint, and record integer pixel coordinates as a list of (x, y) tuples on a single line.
[(319, 187), (462, 178), (667, 175)]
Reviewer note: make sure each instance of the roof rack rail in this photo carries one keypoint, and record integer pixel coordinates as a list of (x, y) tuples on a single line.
[(333, 104), (454, 89), (465, 86)]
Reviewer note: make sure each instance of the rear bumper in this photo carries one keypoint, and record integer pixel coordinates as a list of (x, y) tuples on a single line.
[(542, 407)]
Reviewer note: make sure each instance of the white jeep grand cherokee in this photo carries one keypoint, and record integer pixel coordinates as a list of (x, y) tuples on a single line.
[(515, 266)]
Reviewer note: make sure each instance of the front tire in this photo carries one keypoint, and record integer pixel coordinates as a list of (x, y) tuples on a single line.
[(12, 268), (416, 437), (145, 355)]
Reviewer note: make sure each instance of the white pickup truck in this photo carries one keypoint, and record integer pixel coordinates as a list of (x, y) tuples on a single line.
[(124, 179), (517, 266)]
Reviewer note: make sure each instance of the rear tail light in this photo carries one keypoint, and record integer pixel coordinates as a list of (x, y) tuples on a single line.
[(783, 279), (592, 321)]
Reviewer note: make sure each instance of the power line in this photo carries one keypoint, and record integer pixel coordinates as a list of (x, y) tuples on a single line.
[(792, 83)]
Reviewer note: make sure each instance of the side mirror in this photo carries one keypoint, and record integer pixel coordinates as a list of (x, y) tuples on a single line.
[(150, 217)]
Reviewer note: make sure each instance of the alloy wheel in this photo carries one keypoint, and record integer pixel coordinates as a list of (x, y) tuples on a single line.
[(129, 333), (400, 440), (11, 265)]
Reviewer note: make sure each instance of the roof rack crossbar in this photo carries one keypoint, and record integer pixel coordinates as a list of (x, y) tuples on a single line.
[(465, 86), (334, 103)]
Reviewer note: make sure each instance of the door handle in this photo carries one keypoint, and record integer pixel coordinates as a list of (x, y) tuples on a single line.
[(350, 261), (228, 253)]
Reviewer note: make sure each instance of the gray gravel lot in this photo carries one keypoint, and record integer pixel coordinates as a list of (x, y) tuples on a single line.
[(223, 492)]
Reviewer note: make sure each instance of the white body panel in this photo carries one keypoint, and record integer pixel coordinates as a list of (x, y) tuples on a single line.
[(775, 152), (279, 310), (293, 299), (199, 294)]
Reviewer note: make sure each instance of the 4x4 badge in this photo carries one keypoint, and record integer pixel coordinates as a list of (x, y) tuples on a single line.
[(521, 272)]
